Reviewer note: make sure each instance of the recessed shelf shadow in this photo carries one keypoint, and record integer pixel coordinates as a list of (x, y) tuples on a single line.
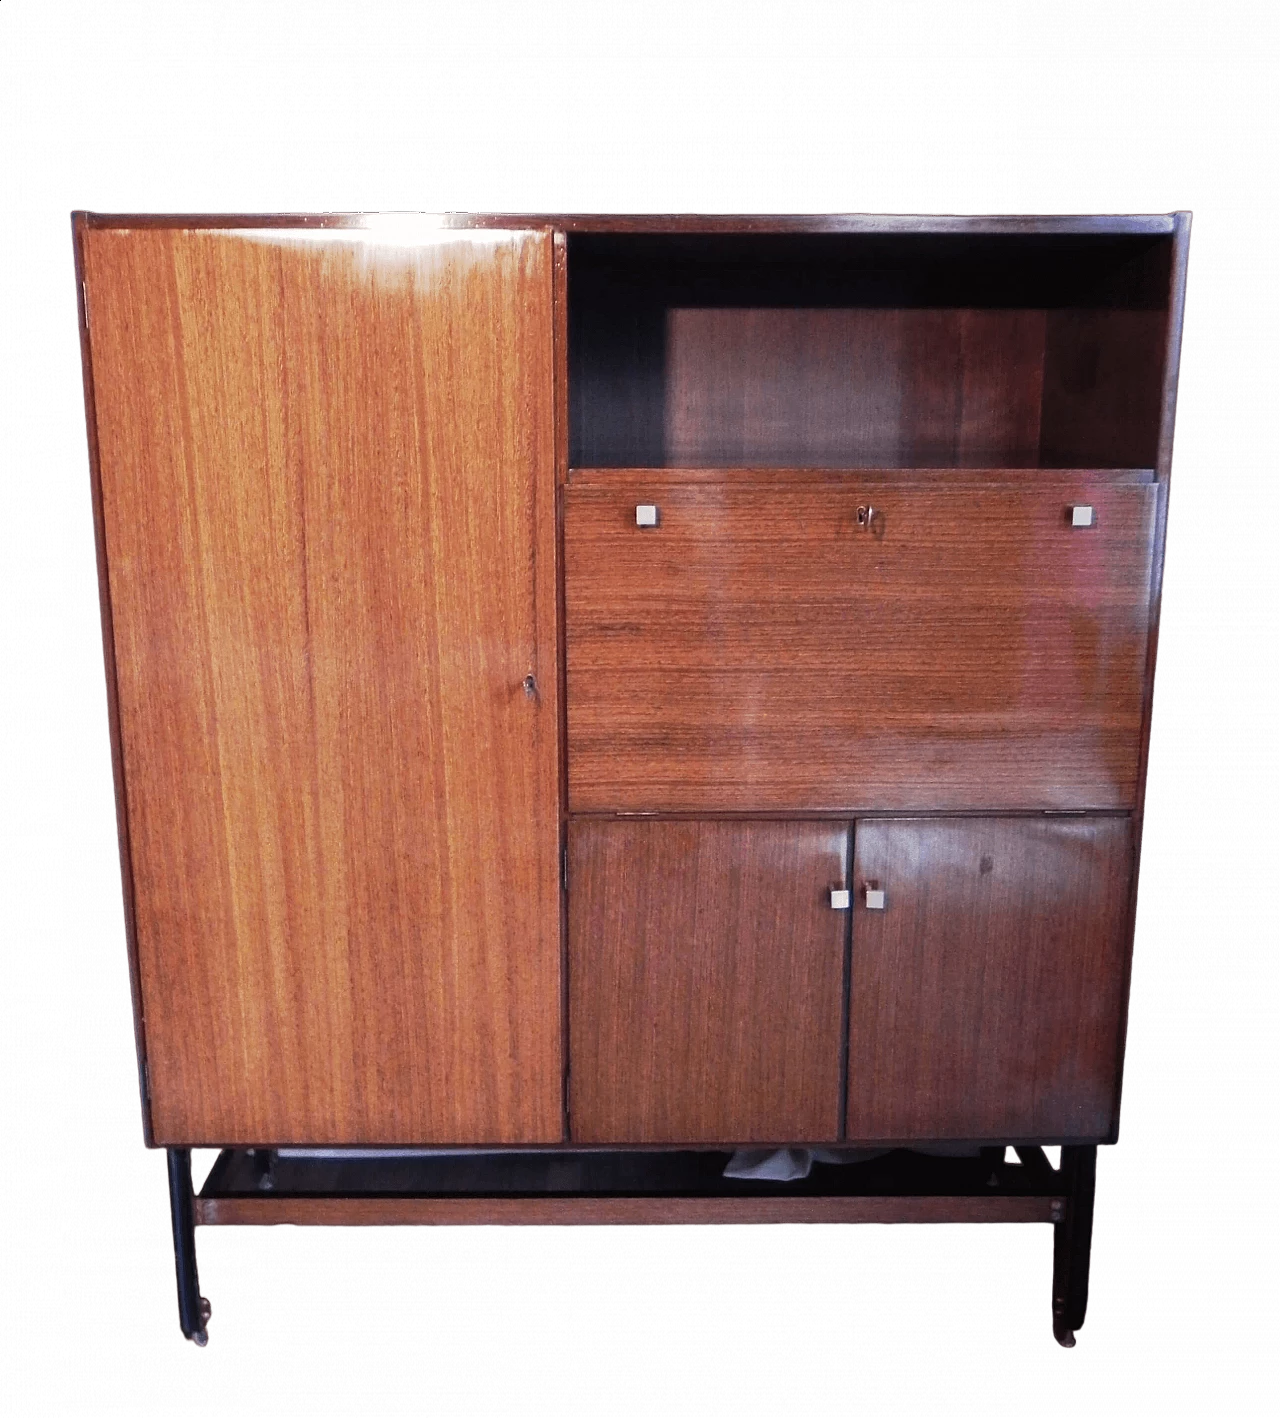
[(855, 351)]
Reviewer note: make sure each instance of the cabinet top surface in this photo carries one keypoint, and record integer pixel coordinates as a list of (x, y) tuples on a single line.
[(850, 222)]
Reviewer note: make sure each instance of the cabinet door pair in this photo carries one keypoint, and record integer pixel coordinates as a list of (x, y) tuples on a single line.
[(716, 994)]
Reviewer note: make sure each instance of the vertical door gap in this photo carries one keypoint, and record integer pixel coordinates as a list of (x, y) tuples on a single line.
[(847, 990)]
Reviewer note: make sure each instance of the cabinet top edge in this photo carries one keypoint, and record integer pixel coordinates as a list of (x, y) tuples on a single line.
[(853, 223)]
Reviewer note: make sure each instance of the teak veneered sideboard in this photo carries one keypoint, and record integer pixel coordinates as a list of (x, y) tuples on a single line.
[(593, 695)]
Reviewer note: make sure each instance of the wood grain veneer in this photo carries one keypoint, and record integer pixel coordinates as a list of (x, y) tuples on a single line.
[(327, 473), (758, 652), (706, 975), (853, 387), (1103, 377), (985, 999)]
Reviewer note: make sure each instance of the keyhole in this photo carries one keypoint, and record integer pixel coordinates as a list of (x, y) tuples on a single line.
[(530, 686)]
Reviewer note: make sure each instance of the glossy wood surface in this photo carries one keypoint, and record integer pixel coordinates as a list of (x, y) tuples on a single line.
[(985, 999), (759, 652), (617, 1211), (853, 388), (1103, 371), (327, 478), (706, 971), (112, 682)]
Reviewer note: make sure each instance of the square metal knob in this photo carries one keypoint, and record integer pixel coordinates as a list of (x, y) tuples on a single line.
[(875, 899), (646, 515), (1082, 515), (839, 900)]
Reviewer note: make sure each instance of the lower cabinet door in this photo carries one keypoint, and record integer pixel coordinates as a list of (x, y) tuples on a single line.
[(987, 982), (706, 980)]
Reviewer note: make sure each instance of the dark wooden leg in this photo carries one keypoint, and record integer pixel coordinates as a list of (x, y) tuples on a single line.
[(1072, 1237), (193, 1309)]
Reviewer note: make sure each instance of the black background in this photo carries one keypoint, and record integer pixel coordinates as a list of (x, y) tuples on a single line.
[(818, 1308)]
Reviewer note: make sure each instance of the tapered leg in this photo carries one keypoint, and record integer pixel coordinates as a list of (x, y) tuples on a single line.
[(1072, 1238), (193, 1309)]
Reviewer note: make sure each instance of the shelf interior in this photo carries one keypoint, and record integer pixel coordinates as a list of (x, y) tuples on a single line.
[(860, 352)]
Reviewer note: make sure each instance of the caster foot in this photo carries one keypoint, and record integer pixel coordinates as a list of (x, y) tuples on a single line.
[(200, 1337), (1066, 1337)]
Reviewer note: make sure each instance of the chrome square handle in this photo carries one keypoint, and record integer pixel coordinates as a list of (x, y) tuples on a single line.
[(873, 897), (646, 515), (840, 900), (1082, 515)]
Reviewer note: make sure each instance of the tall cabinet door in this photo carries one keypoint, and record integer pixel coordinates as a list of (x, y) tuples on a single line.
[(706, 980), (987, 977), (328, 521)]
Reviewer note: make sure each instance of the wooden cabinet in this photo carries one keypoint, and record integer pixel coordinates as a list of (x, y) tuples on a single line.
[(706, 981), (588, 694), (986, 989)]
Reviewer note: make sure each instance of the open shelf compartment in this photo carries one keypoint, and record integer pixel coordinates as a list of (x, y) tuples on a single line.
[(867, 351)]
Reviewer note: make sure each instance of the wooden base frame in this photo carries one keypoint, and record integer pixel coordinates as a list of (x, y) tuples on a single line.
[(389, 1187)]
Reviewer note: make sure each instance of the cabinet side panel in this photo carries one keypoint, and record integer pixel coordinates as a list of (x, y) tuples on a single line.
[(328, 498), (986, 995), (1177, 294), (78, 227)]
